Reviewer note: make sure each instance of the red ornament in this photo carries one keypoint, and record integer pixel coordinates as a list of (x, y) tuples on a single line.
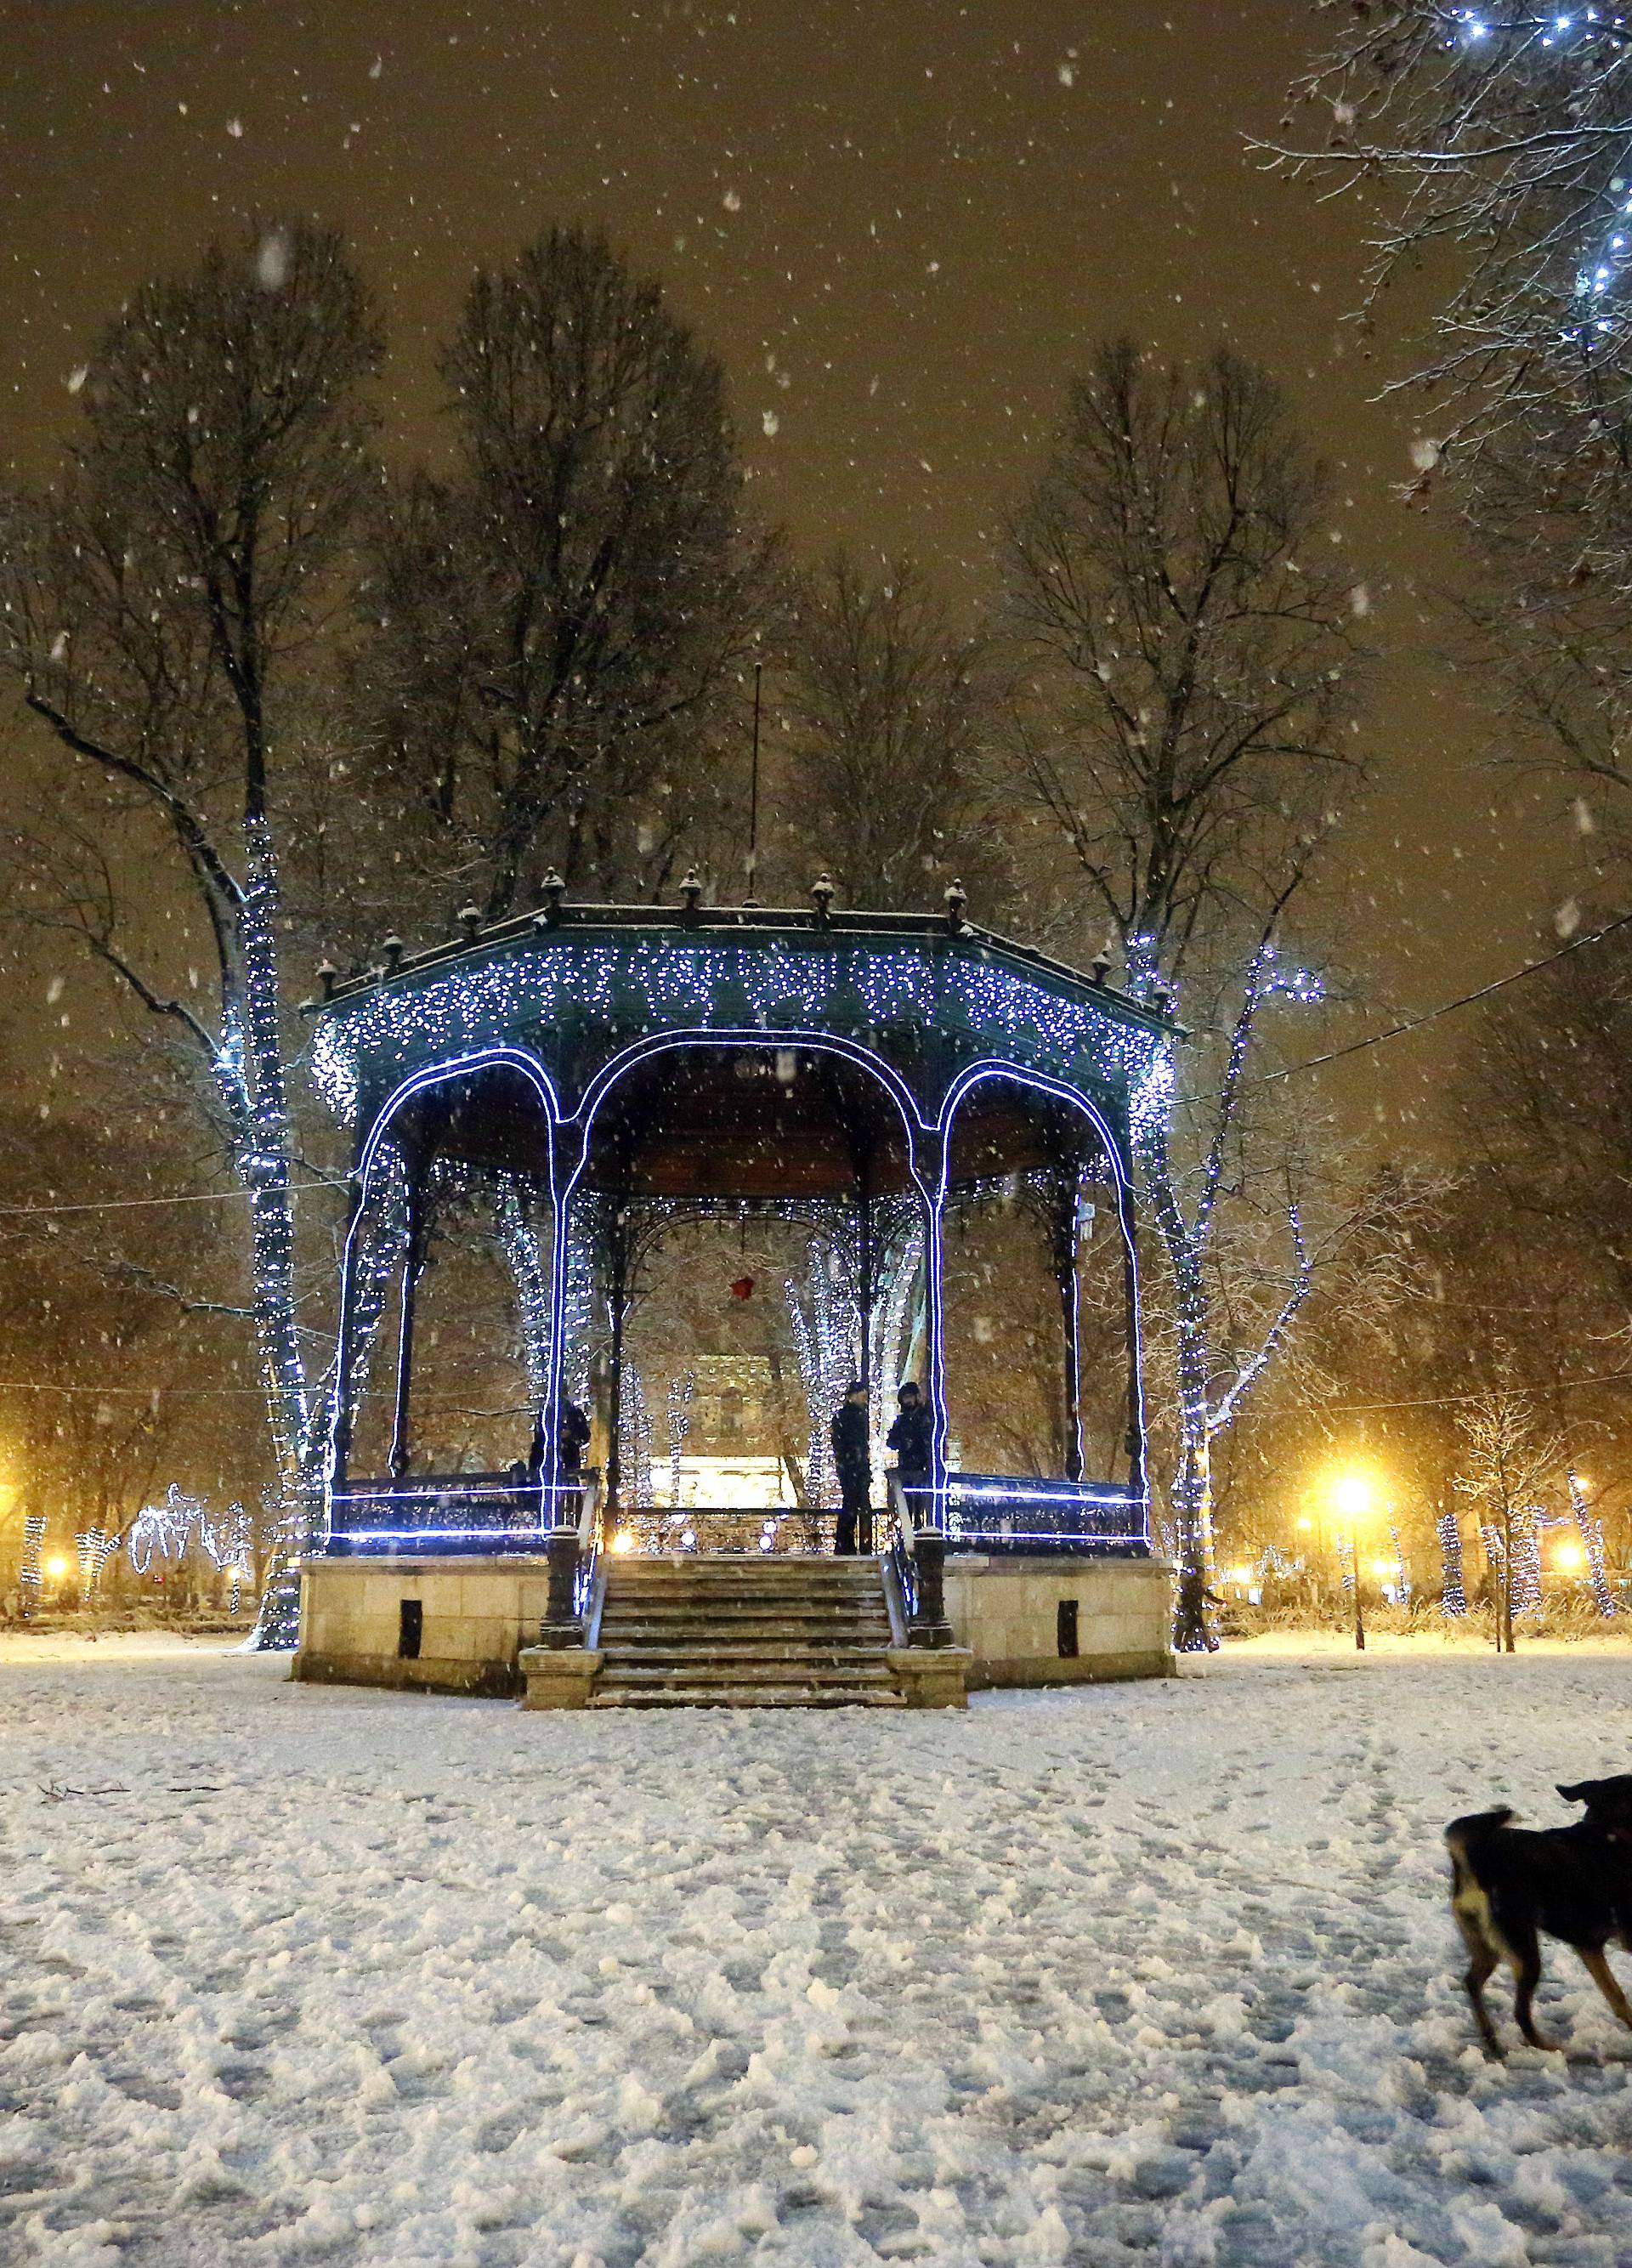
[(743, 1288)]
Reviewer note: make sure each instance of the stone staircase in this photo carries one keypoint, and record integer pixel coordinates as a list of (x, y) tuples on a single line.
[(711, 1632)]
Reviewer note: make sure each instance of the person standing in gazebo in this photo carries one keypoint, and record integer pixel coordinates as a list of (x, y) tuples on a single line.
[(852, 1458)]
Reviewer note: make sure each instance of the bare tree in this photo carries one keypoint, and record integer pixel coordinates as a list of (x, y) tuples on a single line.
[(1502, 132), (1502, 136), (1507, 1464), (1184, 693), (160, 603), (890, 713), (563, 627)]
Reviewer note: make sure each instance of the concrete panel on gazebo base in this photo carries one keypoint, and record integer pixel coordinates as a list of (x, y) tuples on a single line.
[(1008, 1613), (358, 1626)]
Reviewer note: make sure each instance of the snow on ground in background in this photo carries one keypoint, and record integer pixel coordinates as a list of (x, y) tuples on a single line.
[(1158, 1973), (26, 1646)]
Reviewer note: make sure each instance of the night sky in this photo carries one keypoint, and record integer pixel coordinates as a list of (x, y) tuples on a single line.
[(901, 224)]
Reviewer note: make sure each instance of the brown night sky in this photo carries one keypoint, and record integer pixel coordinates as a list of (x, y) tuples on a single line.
[(901, 224)]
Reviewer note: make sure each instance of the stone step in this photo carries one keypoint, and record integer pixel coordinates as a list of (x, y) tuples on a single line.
[(815, 1657), (745, 1696), (756, 1579), (713, 1631), (770, 1624), (701, 1670)]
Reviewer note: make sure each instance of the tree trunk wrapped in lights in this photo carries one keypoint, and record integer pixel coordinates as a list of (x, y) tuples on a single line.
[(1453, 1598)]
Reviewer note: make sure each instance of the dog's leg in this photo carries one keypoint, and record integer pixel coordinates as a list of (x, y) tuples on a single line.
[(1481, 1962), (1524, 1951), (1604, 1976)]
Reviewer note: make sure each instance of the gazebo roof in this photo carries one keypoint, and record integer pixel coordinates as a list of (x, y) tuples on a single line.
[(582, 989)]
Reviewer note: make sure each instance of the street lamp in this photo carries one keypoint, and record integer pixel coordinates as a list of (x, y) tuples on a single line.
[(1352, 1499)]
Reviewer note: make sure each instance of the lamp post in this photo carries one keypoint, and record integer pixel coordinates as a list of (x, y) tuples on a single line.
[(1352, 1498)]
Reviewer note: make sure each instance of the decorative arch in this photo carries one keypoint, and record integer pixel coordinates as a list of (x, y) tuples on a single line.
[(990, 1068)]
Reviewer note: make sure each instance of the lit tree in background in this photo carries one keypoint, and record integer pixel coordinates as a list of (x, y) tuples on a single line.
[(1181, 625), (160, 604)]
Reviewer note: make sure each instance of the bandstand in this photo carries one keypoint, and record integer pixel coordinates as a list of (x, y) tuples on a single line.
[(607, 1069)]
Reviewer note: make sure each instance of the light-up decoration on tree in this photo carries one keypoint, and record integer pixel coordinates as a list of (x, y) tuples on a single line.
[(28, 1571), (1590, 1529), (1482, 30), (1402, 1572), (1453, 1599), (1526, 1591), (92, 1547), (635, 1437), (681, 1389), (1203, 1409), (518, 1236), (826, 1323)]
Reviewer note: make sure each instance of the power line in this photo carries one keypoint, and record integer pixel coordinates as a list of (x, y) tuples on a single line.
[(180, 1197), (1444, 1401), (1445, 1007)]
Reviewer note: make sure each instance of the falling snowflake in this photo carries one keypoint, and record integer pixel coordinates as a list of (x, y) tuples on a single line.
[(771, 423), (272, 260)]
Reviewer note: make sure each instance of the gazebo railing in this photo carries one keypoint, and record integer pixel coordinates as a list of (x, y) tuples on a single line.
[(449, 1514), (1008, 1514)]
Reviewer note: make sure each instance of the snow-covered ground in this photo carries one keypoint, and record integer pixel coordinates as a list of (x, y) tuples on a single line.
[(1158, 1973)]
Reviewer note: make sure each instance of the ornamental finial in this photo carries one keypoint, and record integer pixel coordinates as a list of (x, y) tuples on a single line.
[(691, 891), (821, 896), (470, 920), (554, 890), (326, 973), (392, 948), (1100, 966), (955, 898)]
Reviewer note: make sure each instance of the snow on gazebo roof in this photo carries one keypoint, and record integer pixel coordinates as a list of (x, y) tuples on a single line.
[(929, 996)]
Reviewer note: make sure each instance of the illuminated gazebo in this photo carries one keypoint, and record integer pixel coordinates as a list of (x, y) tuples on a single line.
[(610, 1062)]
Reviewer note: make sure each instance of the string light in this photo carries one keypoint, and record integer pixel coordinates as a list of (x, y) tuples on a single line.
[(29, 1569), (1590, 1529), (1453, 1598), (571, 983)]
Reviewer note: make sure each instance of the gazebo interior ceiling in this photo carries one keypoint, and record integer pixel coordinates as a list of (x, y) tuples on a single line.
[(749, 1122)]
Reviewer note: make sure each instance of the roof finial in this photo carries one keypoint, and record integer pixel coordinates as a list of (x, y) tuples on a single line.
[(821, 897), (691, 892), (955, 898), (470, 920), (326, 973), (392, 948)]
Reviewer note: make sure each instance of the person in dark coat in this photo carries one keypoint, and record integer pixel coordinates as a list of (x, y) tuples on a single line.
[(912, 1437), (852, 1457), (572, 1439)]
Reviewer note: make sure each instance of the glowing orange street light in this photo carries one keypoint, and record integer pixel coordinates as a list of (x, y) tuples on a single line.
[(57, 1569), (1569, 1558)]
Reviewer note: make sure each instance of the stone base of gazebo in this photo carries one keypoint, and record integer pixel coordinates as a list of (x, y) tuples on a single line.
[(1061, 1620), (452, 1625), (459, 1625)]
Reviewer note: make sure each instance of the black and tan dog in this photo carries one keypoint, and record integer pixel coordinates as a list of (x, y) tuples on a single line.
[(1510, 1883)]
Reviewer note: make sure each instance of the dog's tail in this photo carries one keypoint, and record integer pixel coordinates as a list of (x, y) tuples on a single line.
[(1464, 1836)]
